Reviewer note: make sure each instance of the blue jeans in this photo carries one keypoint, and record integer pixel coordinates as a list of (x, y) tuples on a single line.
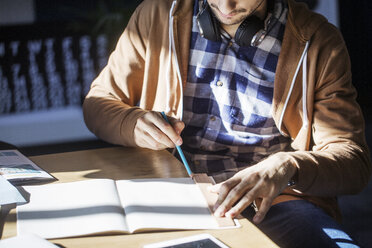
[(299, 223)]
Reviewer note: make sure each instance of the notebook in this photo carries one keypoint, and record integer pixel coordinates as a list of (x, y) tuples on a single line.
[(105, 206)]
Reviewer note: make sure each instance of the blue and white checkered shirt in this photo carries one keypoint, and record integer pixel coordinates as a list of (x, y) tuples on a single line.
[(228, 100)]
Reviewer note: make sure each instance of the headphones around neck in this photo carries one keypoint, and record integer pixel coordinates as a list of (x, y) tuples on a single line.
[(249, 32)]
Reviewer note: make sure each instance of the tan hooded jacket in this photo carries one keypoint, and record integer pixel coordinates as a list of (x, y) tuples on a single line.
[(314, 100)]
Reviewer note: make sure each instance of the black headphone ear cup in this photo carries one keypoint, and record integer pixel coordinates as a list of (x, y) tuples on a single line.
[(247, 30), (208, 25)]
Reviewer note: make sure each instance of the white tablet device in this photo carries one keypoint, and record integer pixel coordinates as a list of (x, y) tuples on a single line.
[(195, 241)]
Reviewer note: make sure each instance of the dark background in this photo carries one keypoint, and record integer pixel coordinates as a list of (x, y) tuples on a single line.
[(93, 18), (80, 21), (356, 27)]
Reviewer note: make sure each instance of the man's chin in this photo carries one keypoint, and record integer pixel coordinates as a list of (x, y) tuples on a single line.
[(229, 21)]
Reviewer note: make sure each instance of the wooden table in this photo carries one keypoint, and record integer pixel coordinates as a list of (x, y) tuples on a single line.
[(128, 163)]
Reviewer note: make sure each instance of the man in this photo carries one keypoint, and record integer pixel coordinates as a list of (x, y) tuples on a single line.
[(269, 113)]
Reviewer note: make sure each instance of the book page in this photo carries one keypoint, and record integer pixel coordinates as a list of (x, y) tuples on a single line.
[(71, 209), (17, 168), (164, 203)]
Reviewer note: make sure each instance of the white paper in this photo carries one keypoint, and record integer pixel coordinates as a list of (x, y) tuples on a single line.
[(14, 166), (29, 241), (71, 209), (8, 193), (171, 203)]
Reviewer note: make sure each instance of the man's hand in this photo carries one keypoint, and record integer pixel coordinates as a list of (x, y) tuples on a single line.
[(265, 180), (153, 132)]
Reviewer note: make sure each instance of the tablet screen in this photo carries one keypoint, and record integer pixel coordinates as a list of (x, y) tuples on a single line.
[(196, 241)]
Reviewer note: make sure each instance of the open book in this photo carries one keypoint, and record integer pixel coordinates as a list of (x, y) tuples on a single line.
[(107, 206)]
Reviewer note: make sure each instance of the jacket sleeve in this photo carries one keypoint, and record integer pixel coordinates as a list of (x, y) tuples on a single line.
[(109, 108), (339, 160)]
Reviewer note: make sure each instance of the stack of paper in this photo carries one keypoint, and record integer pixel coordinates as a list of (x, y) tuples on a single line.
[(19, 170), (29, 241), (9, 194)]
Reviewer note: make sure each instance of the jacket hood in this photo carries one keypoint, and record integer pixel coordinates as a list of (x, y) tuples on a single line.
[(307, 22)]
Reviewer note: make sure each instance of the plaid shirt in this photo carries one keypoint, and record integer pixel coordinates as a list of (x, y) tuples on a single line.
[(228, 100)]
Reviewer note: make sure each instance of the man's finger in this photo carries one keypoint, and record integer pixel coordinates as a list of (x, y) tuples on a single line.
[(215, 188), (159, 136), (152, 143), (177, 124), (243, 203), (230, 192), (264, 208), (168, 130), (152, 134)]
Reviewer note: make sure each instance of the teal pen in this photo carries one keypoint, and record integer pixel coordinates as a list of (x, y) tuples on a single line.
[(179, 150)]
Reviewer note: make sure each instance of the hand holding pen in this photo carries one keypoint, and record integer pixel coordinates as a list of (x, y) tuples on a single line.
[(158, 132), (154, 132)]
